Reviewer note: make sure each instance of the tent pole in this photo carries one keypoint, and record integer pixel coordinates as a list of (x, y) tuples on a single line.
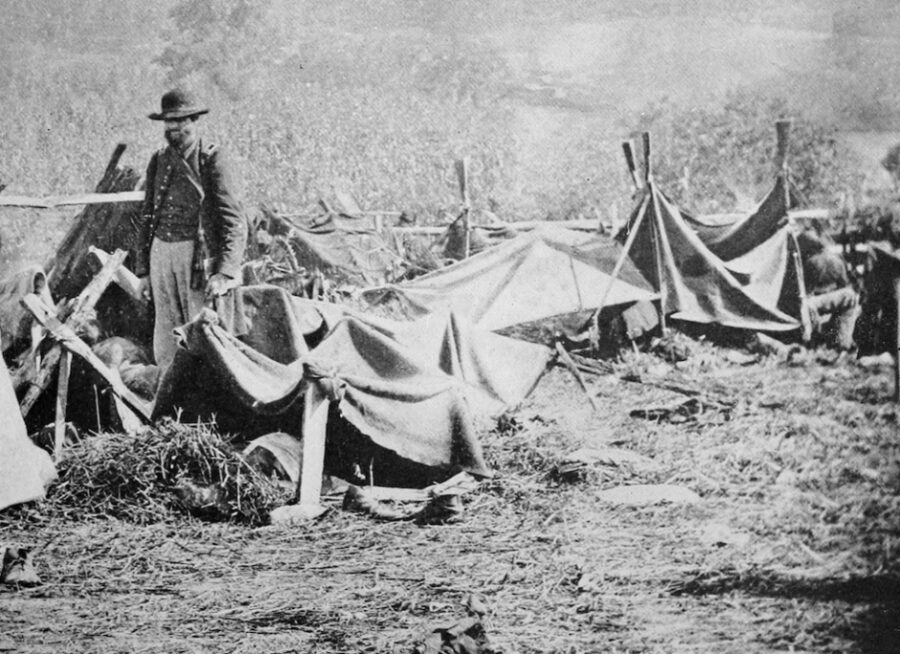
[(628, 149), (567, 361), (462, 174), (62, 399), (654, 227), (657, 253), (626, 249), (315, 418), (782, 141)]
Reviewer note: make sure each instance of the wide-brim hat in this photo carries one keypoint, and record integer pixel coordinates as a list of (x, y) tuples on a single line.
[(176, 104)]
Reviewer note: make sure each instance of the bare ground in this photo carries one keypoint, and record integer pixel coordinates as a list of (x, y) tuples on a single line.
[(792, 546)]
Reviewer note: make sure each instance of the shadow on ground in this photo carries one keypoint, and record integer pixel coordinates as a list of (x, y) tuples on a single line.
[(872, 602)]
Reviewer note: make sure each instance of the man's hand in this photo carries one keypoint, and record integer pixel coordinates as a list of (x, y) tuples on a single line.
[(143, 288), (219, 285)]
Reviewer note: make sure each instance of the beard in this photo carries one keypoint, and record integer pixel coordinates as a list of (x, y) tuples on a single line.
[(178, 139)]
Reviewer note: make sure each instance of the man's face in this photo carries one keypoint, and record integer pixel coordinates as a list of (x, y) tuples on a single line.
[(181, 132)]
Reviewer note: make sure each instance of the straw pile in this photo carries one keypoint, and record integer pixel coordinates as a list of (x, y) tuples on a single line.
[(170, 467)]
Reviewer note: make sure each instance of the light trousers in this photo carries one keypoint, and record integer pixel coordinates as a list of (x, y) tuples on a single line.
[(175, 302)]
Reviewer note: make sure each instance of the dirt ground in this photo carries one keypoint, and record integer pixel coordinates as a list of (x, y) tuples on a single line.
[(791, 547)]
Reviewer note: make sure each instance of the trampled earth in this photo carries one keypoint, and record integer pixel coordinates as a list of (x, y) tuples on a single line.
[(790, 544)]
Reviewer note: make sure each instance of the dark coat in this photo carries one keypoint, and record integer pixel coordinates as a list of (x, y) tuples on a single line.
[(222, 233)]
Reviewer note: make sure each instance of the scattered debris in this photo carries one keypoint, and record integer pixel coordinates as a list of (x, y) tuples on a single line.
[(576, 466), (18, 567), (467, 636), (443, 503), (684, 411)]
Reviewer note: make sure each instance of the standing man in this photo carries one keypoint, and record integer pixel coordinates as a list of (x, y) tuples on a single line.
[(193, 231)]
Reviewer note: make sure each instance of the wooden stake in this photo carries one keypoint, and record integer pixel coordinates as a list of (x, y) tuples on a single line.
[(315, 418), (629, 242), (462, 175), (655, 232), (62, 398), (69, 340), (645, 141), (123, 278), (567, 361), (782, 136), (82, 306), (657, 251), (628, 149)]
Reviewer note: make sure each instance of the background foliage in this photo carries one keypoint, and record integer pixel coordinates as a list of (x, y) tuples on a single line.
[(376, 98)]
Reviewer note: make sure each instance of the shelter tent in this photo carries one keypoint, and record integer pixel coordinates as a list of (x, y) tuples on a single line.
[(740, 272), (408, 392), (346, 247), (534, 276), (25, 469)]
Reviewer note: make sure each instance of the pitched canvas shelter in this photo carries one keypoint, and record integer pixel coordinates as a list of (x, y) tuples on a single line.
[(535, 276), (408, 392), (741, 272), (25, 469), (345, 247)]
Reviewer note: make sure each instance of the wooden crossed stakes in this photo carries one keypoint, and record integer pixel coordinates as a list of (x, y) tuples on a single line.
[(59, 358)]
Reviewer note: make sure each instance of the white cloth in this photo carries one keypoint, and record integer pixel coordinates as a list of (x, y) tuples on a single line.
[(174, 301), (25, 469)]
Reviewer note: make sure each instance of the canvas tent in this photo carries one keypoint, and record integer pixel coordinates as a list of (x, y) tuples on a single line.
[(410, 390), (25, 469), (344, 246), (741, 272), (535, 276)]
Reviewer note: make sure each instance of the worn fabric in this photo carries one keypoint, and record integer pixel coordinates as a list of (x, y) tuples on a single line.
[(416, 388), (175, 300), (499, 371), (25, 469), (346, 247), (172, 185), (697, 285), (760, 248), (535, 276), (416, 411)]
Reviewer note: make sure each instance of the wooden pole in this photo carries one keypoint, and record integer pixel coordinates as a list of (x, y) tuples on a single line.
[(657, 250), (782, 140), (62, 398), (83, 304), (645, 142), (654, 231), (462, 175), (628, 149), (124, 278), (315, 418), (567, 361), (782, 146), (70, 341)]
